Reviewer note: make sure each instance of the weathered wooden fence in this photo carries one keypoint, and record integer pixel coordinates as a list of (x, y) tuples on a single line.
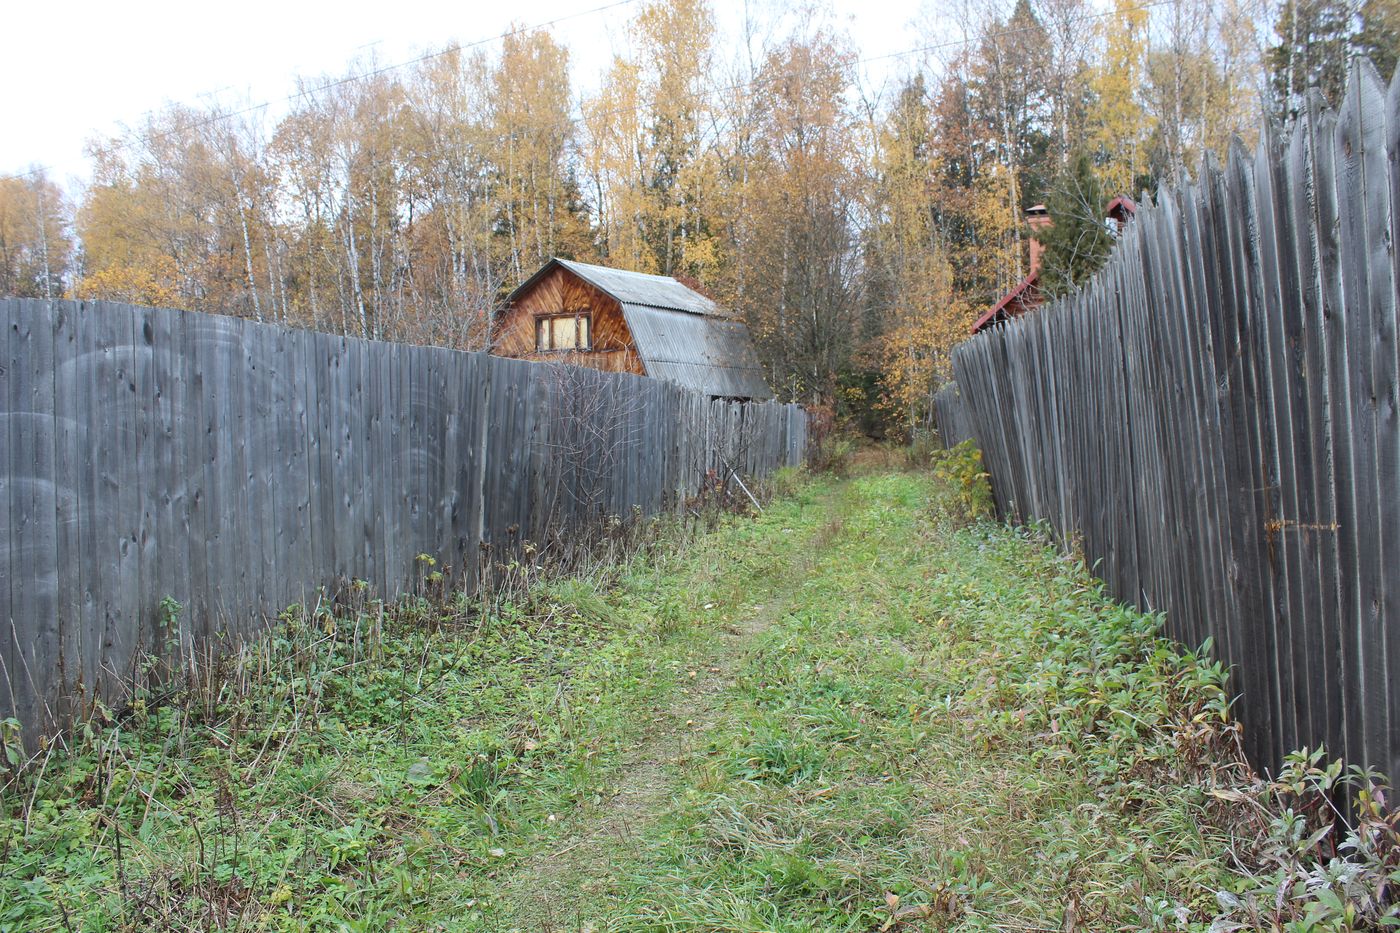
[(1215, 419), (238, 468)]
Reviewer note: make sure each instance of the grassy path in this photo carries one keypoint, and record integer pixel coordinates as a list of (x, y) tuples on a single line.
[(846, 714), (868, 741), (743, 595)]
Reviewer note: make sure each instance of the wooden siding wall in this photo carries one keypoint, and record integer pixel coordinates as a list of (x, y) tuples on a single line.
[(238, 468), (1215, 419), (561, 291)]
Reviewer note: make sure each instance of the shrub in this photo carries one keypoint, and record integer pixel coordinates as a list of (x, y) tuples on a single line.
[(968, 492), (833, 455)]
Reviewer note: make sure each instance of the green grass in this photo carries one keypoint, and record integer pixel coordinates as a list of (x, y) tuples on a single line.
[(846, 713), (958, 719)]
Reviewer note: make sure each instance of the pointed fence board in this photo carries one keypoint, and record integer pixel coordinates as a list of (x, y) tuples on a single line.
[(1215, 419)]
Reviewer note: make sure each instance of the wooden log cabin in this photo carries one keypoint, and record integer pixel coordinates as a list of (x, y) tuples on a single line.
[(650, 325)]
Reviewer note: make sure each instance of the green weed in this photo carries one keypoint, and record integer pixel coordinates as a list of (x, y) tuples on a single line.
[(965, 487)]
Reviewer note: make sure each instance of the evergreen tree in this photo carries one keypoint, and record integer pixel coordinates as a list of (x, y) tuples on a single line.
[(1314, 43), (1379, 36), (1078, 243), (1010, 100), (1117, 123)]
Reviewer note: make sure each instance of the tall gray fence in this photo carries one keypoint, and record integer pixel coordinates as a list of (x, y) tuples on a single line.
[(237, 468), (1215, 419)]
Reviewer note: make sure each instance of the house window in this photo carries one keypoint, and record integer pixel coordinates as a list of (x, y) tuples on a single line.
[(563, 332)]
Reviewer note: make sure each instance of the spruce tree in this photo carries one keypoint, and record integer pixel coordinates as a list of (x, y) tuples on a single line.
[(1379, 36), (1314, 42), (1079, 241)]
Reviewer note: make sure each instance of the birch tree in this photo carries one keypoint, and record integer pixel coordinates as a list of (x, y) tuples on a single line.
[(36, 243)]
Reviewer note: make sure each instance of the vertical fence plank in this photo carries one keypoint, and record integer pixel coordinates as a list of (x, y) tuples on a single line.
[(12, 687), (34, 511), (1276, 454), (292, 427), (1388, 422), (119, 482), (70, 457), (422, 464), (1374, 368), (1357, 128), (236, 468), (259, 471), (1232, 377), (199, 446), (162, 550), (381, 471), (217, 354), (332, 385), (362, 483), (30, 632), (186, 511)]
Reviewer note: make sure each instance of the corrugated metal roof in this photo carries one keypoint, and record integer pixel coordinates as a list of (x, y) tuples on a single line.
[(658, 291), (708, 354)]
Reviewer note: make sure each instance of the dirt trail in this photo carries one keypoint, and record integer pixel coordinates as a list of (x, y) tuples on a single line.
[(554, 883)]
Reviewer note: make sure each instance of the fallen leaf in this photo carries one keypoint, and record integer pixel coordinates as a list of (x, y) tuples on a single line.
[(1232, 795)]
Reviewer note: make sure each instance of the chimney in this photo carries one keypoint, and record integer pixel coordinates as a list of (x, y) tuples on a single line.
[(1037, 218)]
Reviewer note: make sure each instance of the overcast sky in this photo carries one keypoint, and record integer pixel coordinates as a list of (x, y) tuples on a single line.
[(72, 71)]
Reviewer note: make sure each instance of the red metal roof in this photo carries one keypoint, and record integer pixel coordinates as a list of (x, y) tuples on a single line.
[(1023, 295), (1124, 203)]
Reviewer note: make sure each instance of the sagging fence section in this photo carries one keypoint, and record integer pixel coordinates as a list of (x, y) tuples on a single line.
[(1214, 420), (157, 457)]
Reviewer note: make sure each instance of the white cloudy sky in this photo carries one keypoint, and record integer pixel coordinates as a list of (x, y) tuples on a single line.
[(70, 71)]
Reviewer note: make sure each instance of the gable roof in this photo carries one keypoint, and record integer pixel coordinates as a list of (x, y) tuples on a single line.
[(639, 288), (1121, 208), (656, 291), (680, 335)]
